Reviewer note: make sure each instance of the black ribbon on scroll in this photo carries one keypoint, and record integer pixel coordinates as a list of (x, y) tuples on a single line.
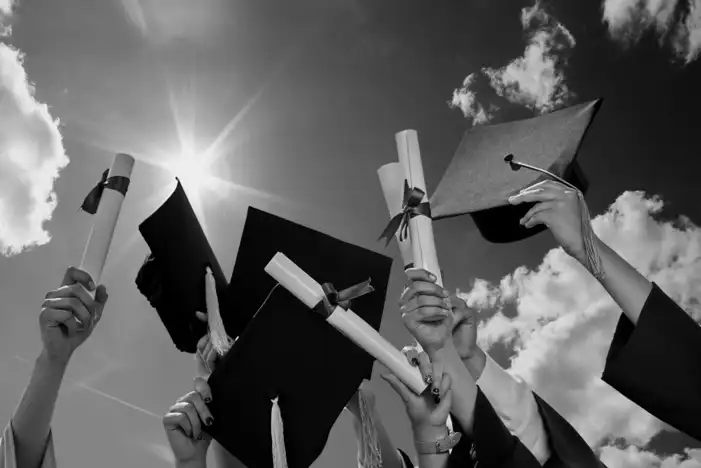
[(333, 298), (411, 208), (92, 201)]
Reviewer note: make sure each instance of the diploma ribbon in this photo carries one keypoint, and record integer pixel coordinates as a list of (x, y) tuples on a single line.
[(411, 208), (333, 298), (92, 201)]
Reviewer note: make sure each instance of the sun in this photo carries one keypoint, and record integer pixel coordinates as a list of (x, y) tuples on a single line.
[(192, 170)]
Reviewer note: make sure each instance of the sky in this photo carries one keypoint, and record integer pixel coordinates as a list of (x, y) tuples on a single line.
[(292, 107)]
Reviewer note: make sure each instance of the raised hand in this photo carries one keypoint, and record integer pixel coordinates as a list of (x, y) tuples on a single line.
[(428, 413), (69, 315), (558, 207), (206, 356), (426, 309), (185, 425)]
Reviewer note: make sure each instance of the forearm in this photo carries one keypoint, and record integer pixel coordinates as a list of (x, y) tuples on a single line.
[(31, 422), (463, 389), (624, 283)]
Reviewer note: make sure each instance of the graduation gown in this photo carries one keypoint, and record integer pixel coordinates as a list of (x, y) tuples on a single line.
[(657, 363), (7, 450)]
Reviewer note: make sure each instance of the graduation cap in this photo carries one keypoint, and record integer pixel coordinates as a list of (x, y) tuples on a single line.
[(173, 276), (479, 183), (289, 365)]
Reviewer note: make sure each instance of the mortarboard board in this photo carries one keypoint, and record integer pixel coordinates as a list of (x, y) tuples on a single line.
[(478, 181), (173, 276), (286, 351)]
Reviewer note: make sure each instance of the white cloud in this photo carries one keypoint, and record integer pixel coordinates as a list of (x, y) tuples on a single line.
[(633, 457), (565, 320), (535, 80), (31, 156), (675, 21)]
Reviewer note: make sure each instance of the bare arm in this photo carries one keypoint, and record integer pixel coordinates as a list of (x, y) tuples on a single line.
[(624, 283), (31, 422)]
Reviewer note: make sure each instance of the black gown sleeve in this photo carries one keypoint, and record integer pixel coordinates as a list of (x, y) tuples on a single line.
[(657, 364), (491, 444)]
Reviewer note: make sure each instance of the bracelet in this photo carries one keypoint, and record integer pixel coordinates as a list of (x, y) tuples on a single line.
[(442, 445)]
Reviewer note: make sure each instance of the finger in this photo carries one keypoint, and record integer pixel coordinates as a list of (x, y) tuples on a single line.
[(202, 387), (60, 316), (202, 344), (201, 316), (422, 288), (101, 295), (542, 206), (535, 195), (412, 355), (430, 302), (177, 421), (419, 274), (398, 386), (211, 357), (426, 368), (443, 407), (75, 276), (71, 304), (193, 417), (437, 372), (72, 290), (195, 398), (547, 184), (539, 218)]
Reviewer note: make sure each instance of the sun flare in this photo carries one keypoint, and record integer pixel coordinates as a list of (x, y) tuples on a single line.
[(192, 171)]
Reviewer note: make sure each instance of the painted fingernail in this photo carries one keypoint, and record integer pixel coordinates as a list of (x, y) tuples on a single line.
[(91, 285), (428, 379), (208, 400), (432, 277), (415, 362), (437, 398), (209, 421)]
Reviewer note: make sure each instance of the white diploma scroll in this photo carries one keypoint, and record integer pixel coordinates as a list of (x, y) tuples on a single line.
[(307, 290), (106, 217), (420, 227), (392, 182)]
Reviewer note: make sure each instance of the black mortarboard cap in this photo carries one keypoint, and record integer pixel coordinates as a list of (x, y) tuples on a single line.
[(288, 351), (479, 182), (173, 276)]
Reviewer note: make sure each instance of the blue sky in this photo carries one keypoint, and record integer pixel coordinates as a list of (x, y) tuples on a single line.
[(294, 107)]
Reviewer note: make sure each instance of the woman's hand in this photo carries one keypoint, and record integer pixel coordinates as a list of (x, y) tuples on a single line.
[(557, 206), (429, 411), (185, 425), (426, 309), (69, 315), (206, 356)]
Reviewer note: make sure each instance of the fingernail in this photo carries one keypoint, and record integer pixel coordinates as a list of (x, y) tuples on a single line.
[(415, 361), (208, 400), (447, 303), (432, 277), (428, 379), (436, 399), (91, 285), (446, 293), (209, 421), (435, 391), (200, 437)]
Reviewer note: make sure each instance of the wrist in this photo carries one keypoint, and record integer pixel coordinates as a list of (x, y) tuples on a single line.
[(424, 433), (475, 363), (47, 362), (191, 463)]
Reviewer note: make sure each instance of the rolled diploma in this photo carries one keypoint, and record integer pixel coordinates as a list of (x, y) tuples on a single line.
[(421, 227), (392, 182), (307, 290), (106, 217)]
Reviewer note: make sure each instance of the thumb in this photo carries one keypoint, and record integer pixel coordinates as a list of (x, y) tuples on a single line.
[(101, 295), (201, 316)]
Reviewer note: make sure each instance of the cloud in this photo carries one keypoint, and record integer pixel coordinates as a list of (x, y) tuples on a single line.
[(633, 457), (536, 80), (565, 320), (31, 156), (675, 22)]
